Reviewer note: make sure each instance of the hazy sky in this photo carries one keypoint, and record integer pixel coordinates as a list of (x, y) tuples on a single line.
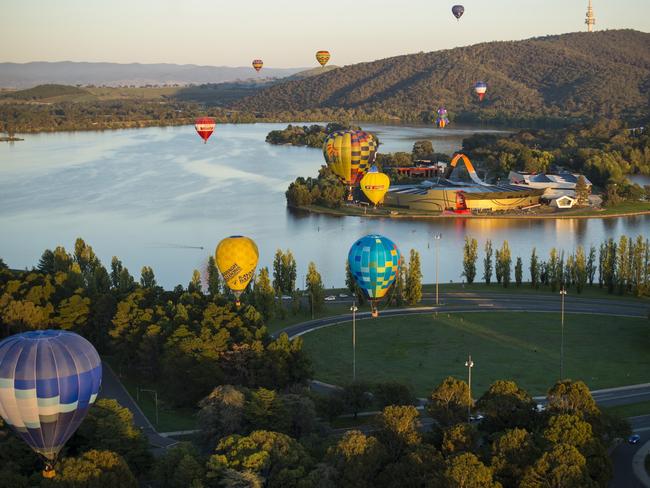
[(284, 33)]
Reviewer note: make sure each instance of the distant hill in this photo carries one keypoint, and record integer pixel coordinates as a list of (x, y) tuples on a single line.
[(42, 92), (579, 75), (311, 72), (26, 75)]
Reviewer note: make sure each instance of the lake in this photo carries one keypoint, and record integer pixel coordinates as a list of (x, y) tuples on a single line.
[(152, 196)]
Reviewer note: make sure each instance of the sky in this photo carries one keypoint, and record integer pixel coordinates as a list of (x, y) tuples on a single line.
[(284, 33)]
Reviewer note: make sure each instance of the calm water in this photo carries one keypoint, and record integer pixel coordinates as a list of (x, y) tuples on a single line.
[(145, 195)]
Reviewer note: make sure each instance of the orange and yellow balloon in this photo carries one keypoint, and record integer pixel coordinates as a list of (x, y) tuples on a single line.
[(322, 57), (236, 258), (374, 185), (257, 64)]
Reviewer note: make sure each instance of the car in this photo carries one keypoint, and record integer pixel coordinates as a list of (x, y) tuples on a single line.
[(330, 298), (287, 297), (634, 438), (342, 295), (540, 408)]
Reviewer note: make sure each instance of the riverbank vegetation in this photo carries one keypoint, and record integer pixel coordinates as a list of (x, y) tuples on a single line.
[(310, 136)]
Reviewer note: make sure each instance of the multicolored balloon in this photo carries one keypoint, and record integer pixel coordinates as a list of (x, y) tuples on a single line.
[(349, 154), (443, 118), (205, 127), (257, 64), (374, 262), (48, 381), (236, 258), (458, 11), (322, 57), (480, 88), (374, 185)]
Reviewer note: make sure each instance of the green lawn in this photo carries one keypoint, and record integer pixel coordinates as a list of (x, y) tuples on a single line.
[(631, 410), (422, 350)]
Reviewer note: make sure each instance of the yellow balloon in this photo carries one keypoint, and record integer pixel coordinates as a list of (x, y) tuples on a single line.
[(374, 186), (236, 258)]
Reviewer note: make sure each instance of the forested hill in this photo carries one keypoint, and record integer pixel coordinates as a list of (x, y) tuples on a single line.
[(583, 75)]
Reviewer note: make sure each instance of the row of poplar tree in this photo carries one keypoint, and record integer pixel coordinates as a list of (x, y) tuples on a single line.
[(621, 266)]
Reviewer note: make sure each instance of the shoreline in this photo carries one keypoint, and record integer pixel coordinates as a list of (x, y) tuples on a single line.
[(315, 209)]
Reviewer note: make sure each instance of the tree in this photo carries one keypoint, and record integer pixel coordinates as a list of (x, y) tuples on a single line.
[(470, 254), (356, 397), (278, 283), (288, 272), (580, 269), (315, 288), (46, 263), (562, 467), (357, 459), (180, 467), (467, 471), (519, 269), (399, 293), (591, 265), (512, 454), (459, 438), (277, 458), (534, 269), (505, 405), (94, 469), (214, 278), (398, 429), (221, 413), (352, 285), (422, 150), (568, 429), (487, 262), (393, 393), (449, 402), (572, 397), (195, 285), (582, 191), (263, 294), (109, 426), (503, 264), (413, 291), (147, 278)]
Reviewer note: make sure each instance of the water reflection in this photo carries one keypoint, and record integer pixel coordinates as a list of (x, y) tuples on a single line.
[(128, 191)]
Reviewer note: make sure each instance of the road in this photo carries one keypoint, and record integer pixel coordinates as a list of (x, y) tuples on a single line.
[(625, 455)]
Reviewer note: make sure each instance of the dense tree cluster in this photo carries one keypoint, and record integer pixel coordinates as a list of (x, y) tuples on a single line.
[(621, 267), (605, 151), (310, 136), (578, 75)]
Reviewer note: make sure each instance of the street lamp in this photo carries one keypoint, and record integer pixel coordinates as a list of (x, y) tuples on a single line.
[(354, 309), (562, 295), (469, 364), (437, 236)]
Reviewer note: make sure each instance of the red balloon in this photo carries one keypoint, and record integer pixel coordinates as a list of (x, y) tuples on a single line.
[(204, 127)]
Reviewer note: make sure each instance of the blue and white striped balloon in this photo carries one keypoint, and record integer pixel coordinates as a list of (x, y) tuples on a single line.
[(48, 381)]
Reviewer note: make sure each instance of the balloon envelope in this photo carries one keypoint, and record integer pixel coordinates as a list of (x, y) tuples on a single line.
[(322, 57), (48, 381), (257, 64), (349, 154), (374, 263), (458, 11), (236, 258), (480, 88), (374, 185), (443, 118), (204, 127)]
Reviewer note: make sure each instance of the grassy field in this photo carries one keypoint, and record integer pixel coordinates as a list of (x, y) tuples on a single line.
[(422, 350), (631, 410)]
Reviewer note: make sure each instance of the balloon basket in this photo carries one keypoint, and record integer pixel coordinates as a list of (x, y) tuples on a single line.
[(49, 473), (237, 303), (375, 313)]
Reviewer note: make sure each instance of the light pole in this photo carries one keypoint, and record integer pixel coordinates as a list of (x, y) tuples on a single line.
[(469, 364), (437, 236), (562, 295), (354, 309)]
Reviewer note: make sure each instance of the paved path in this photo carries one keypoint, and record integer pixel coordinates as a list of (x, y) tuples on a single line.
[(628, 459)]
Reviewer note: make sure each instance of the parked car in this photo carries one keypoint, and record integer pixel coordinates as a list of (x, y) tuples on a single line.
[(287, 297), (634, 438), (330, 298), (342, 295)]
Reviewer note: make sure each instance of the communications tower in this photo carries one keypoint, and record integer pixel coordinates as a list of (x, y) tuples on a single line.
[(590, 20)]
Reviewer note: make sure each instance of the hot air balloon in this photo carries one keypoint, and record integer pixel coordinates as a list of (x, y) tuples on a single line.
[(257, 64), (236, 258), (375, 185), (443, 118), (458, 11), (349, 154), (374, 263), (322, 57), (480, 88), (48, 381), (205, 127)]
